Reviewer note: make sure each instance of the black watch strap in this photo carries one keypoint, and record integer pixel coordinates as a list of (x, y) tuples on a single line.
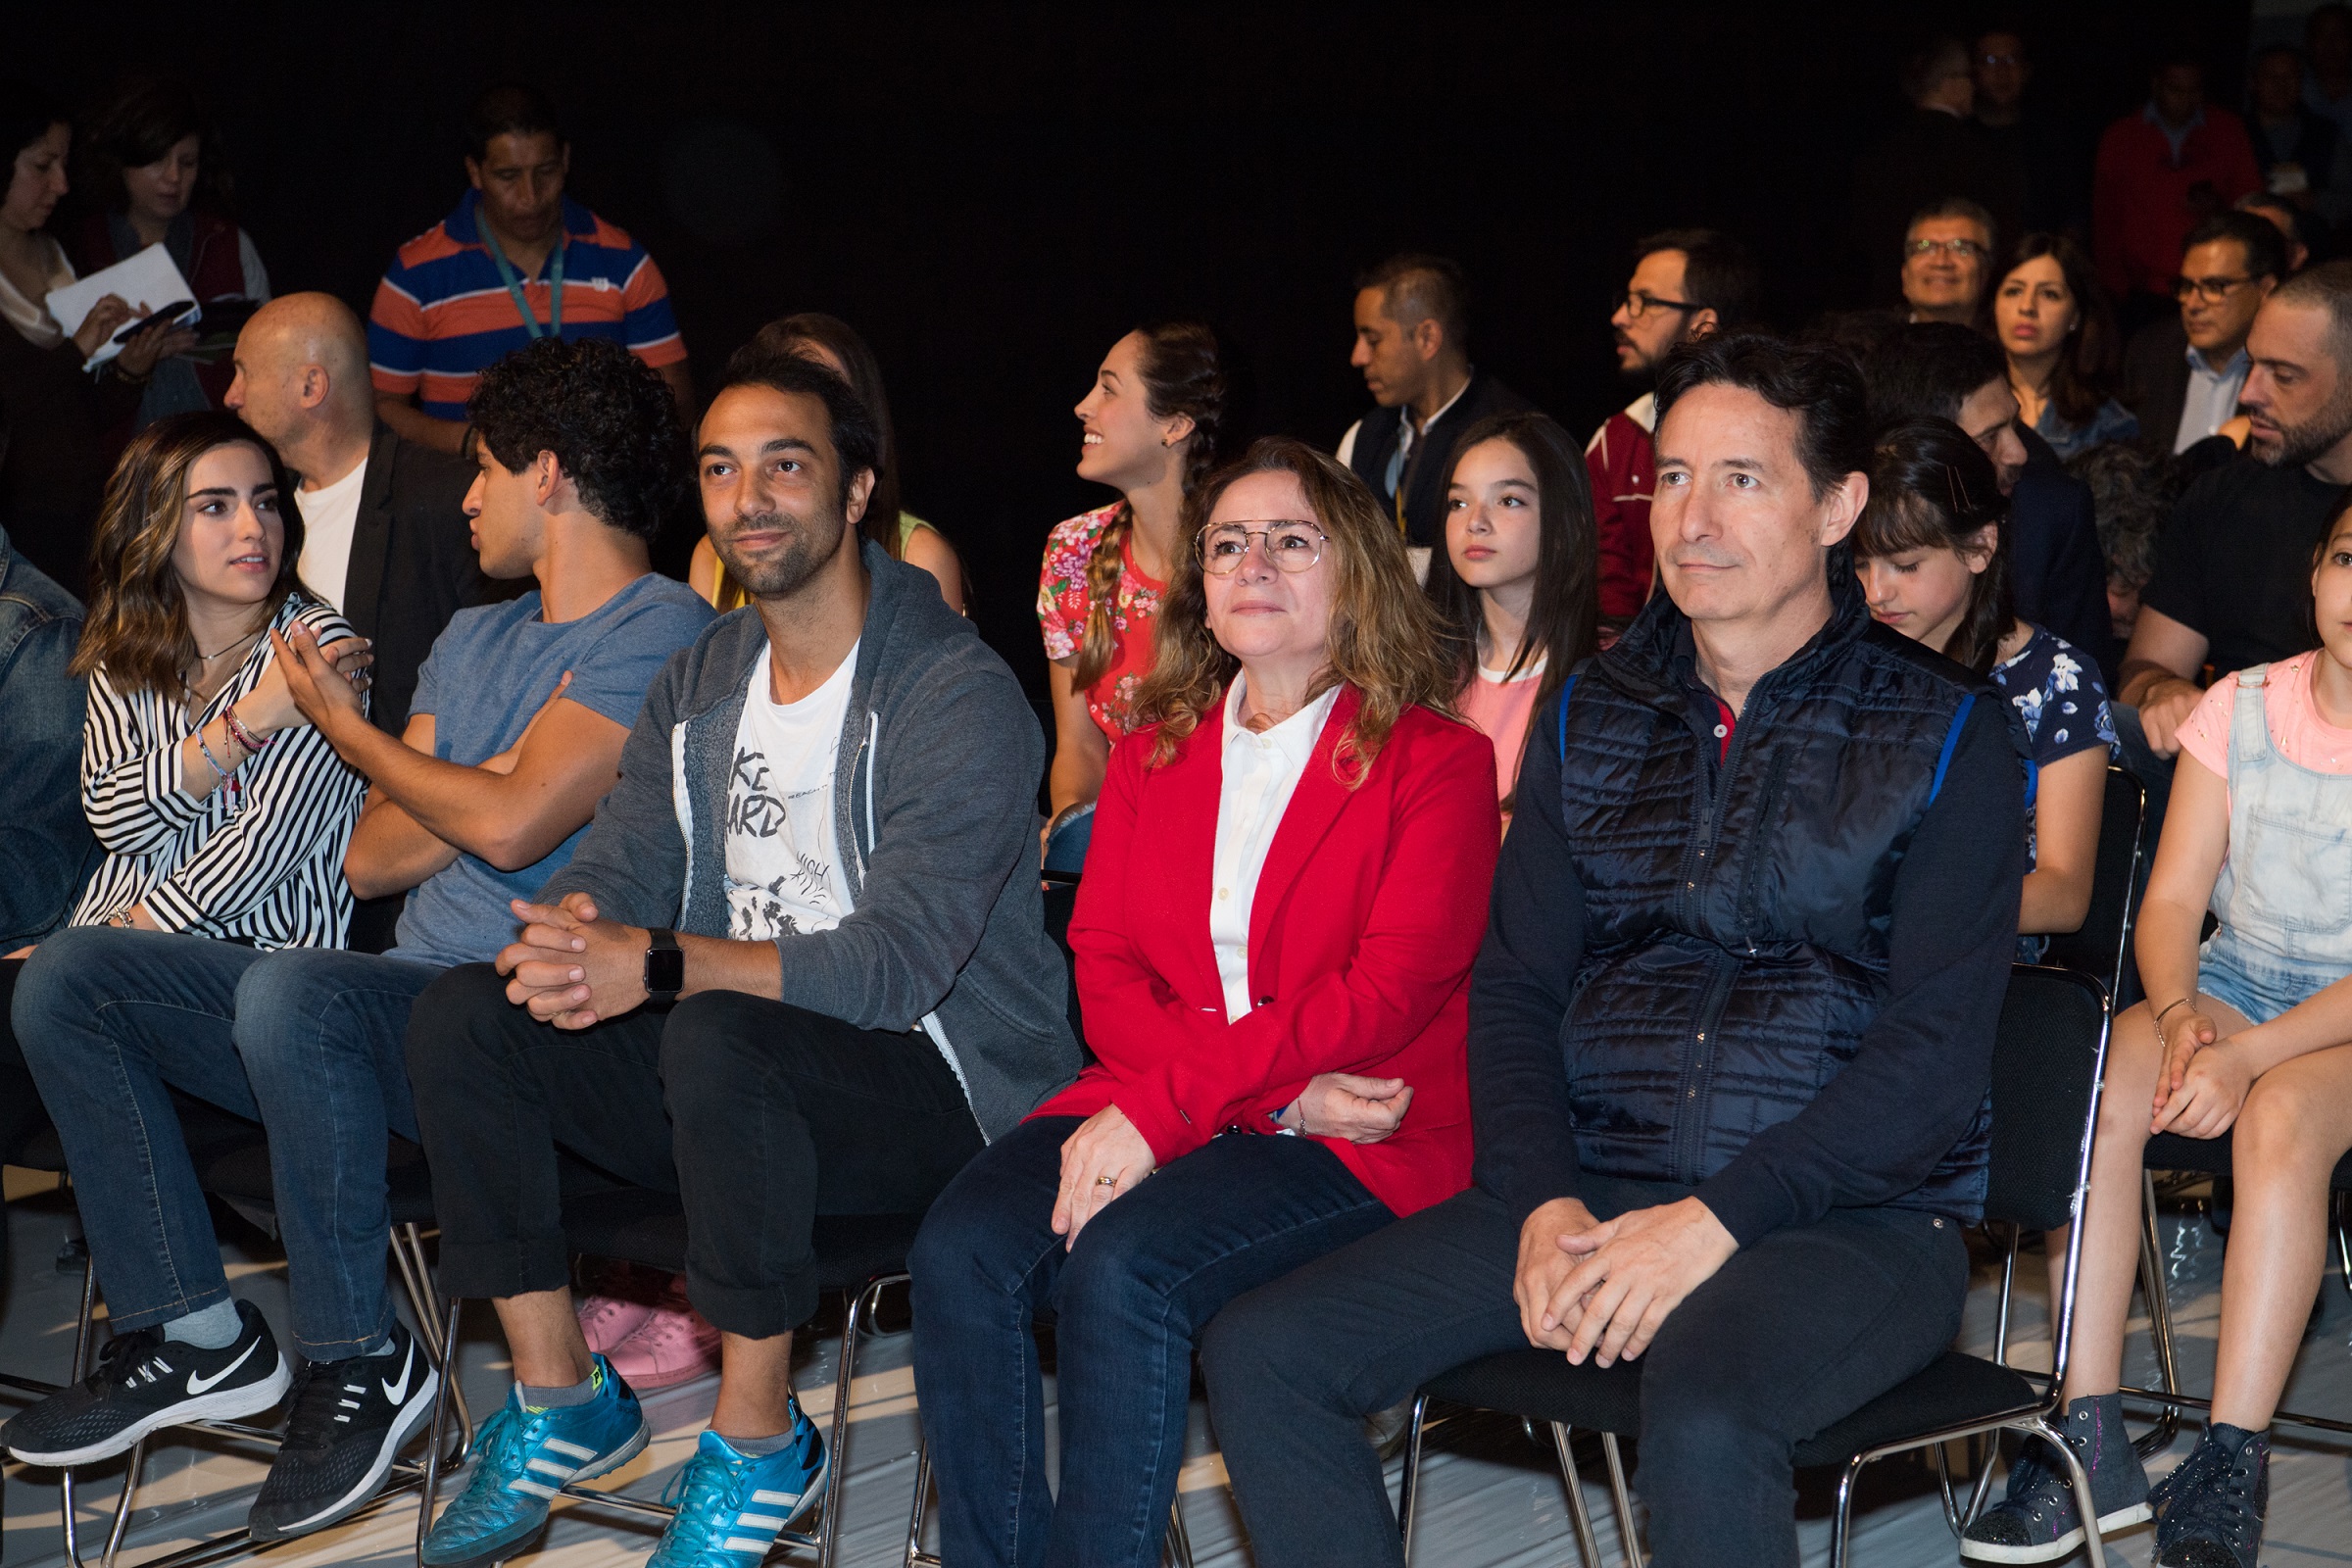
[(665, 967)]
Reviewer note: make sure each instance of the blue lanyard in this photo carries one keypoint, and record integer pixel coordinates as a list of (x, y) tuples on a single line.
[(522, 305)]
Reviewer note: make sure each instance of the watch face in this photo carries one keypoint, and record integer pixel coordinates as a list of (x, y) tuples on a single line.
[(664, 970)]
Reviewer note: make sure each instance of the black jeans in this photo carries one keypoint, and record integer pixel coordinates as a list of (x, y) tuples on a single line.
[(759, 1115), (1793, 1334)]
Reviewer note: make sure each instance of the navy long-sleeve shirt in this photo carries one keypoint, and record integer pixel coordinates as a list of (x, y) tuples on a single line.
[(1877, 1128)]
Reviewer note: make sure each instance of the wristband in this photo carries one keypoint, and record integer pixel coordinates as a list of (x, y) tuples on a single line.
[(220, 774)]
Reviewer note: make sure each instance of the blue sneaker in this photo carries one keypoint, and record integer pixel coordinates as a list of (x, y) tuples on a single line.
[(732, 1509), (523, 1455)]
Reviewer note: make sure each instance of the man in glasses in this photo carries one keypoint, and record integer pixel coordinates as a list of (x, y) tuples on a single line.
[(1948, 255), (2182, 374), (2158, 171), (1687, 284)]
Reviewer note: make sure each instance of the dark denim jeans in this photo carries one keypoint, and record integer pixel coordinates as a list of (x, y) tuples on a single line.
[(1147, 1274), (305, 1042), (1796, 1332)]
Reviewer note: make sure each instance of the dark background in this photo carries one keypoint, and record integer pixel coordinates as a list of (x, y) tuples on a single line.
[(993, 194)]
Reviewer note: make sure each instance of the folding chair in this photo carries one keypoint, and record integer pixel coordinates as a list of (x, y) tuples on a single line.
[(231, 1159), (2048, 1063), (858, 1254)]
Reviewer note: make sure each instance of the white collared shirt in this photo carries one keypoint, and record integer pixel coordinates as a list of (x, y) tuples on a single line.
[(2211, 400), (1262, 770)]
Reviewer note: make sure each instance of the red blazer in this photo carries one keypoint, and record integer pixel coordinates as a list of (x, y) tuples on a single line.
[(1368, 915), (2143, 202)]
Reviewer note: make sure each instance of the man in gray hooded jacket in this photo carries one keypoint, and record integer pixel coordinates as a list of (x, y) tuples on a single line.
[(806, 924)]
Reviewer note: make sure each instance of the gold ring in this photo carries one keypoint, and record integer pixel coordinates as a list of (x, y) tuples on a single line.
[(1106, 1181)]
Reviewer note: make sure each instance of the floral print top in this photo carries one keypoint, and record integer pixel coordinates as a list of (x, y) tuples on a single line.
[(2059, 698), (1062, 609)]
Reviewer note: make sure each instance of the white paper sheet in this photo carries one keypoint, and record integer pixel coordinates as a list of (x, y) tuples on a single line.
[(147, 282)]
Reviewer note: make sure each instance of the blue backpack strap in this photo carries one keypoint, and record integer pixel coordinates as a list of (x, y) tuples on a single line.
[(1951, 744), (1567, 686)]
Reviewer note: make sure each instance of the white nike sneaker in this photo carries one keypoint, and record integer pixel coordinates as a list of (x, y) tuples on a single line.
[(145, 1383)]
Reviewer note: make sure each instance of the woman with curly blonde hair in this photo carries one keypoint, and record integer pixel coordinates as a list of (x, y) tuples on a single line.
[(1285, 887)]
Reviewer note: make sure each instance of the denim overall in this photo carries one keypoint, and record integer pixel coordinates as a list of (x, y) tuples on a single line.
[(2284, 892)]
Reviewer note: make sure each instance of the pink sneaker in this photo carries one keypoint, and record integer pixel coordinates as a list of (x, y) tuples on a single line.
[(606, 1320), (673, 1344)]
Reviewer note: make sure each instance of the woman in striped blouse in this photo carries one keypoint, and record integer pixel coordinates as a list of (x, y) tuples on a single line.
[(222, 813)]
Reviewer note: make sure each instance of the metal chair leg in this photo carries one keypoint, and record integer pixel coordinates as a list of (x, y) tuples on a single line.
[(424, 1302), (1586, 1541), (437, 1435), (73, 1375), (2343, 1238), (130, 1491), (861, 1304), (1841, 1522), (1628, 1539), (1409, 1483), (1179, 1545), (2093, 1549), (916, 1556), (2160, 1322)]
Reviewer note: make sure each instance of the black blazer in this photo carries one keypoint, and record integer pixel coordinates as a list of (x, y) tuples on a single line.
[(2156, 379), (413, 564), (1423, 478)]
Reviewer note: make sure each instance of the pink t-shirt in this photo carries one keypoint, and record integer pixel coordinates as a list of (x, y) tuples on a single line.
[(1500, 708), (2301, 735)]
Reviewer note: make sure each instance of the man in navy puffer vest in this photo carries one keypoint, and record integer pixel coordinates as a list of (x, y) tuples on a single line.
[(1730, 1032)]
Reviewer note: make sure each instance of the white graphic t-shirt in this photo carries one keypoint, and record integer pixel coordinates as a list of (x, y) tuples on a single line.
[(783, 871)]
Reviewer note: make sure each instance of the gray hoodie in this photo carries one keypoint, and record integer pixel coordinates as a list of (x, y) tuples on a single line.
[(934, 814)]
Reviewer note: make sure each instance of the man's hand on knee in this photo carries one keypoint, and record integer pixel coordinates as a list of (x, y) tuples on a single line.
[(571, 968), (1629, 1274), (1543, 1265)]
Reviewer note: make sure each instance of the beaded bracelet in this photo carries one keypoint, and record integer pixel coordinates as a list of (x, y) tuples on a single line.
[(220, 774), (238, 732)]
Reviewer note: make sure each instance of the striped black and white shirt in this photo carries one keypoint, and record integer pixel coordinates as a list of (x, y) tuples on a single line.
[(262, 861)]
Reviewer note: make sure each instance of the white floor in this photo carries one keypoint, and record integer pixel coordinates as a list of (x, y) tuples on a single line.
[(1491, 1499)]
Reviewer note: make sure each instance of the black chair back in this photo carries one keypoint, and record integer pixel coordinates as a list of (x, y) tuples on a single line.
[(2102, 948), (1061, 898), (2046, 1059)]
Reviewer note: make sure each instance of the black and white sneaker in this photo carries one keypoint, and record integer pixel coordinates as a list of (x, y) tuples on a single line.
[(145, 1383), (350, 1418)]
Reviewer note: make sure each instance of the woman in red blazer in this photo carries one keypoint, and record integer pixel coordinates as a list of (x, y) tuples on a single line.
[(1287, 886)]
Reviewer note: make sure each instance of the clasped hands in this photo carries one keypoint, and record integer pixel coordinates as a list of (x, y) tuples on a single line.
[(570, 967), (1603, 1289), (2203, 1081)]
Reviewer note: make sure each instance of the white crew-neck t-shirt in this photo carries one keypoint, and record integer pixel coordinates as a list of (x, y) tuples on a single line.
[(783, 870), (329, 514)]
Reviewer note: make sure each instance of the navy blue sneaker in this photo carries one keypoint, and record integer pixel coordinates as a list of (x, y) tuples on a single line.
[(522, 1456), (2038, 1520), (731, 1508), (2214, 1504)]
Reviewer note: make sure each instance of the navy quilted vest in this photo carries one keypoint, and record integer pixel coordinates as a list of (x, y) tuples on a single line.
[(1736, 946)]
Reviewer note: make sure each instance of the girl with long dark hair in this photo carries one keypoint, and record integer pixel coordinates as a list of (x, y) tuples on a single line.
[(1518, 581), (1933, 560)]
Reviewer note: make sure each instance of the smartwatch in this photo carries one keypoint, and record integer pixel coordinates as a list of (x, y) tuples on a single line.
[(664, 969)]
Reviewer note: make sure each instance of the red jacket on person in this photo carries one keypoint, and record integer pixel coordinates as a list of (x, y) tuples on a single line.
[(1368, 914), (2143, 202), (1621, 460)]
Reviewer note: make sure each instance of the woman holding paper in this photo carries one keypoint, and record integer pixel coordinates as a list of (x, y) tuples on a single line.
[(54, 470)]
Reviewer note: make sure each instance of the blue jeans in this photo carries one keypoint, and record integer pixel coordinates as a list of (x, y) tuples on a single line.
[(305, 1042), (1147, 1274)]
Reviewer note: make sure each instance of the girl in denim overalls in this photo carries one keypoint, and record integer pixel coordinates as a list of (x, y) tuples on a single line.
[(2248, 1033)]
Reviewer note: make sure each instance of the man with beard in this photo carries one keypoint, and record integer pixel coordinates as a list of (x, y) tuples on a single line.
[(1687, 283), (2233, 582), (806, 924)]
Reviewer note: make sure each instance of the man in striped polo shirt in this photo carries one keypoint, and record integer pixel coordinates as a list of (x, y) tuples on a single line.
[(514, 262)]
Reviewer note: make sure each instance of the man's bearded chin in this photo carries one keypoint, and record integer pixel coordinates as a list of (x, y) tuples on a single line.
[(776, 575)]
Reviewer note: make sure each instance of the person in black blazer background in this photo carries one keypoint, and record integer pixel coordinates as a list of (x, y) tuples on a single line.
[(1412, 342), (386, 540)]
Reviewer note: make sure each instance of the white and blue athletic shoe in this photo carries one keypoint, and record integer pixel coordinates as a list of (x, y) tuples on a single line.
[(731, 1508), (524, 1455)]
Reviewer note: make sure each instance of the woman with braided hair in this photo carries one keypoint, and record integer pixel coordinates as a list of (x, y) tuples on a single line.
[(1150, 431)]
